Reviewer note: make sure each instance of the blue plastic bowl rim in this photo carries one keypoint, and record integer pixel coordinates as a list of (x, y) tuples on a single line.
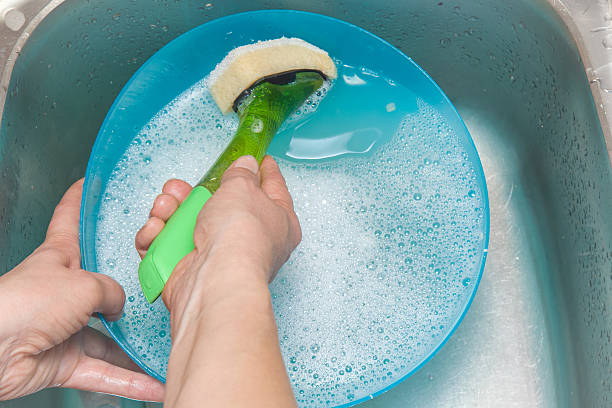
[(478, 167)]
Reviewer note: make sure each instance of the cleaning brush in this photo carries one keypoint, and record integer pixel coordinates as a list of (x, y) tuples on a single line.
[(264, 83)]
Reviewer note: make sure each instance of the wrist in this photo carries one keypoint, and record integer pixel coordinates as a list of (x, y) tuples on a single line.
[(224, 276), (223, 262), (217, 279)]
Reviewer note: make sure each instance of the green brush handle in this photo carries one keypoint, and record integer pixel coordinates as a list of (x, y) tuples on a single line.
[(261, 114)]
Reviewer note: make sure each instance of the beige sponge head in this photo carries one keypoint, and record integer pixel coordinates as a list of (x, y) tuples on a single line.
[(246, 65)]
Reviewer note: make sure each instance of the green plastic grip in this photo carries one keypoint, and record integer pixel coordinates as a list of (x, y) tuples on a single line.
[(261, 114), (171, 245)]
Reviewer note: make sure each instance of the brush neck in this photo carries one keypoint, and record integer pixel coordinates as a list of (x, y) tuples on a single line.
[(261, 114)]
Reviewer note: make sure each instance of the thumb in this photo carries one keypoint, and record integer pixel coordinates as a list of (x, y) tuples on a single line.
[(63, 231), (245, 167)]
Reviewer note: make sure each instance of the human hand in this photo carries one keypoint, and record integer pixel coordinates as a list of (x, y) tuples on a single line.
[(249, 222), (46, 303), (221, 314)]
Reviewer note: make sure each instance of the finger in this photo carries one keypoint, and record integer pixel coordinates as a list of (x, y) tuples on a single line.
[(174, 192), (273, 183), (164, 206), (147, 234), (101, 347), (97, 375), (179, 189), (243, 168), (106, 294), (63, 231)]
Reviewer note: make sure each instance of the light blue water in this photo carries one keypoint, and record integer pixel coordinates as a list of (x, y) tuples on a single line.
[(392, 220), (346, 123)]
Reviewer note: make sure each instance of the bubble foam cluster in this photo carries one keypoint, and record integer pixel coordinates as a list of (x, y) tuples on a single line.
[(392, 246), (179, 142)]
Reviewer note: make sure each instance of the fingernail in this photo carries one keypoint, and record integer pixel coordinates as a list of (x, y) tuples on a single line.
[(247, 162)]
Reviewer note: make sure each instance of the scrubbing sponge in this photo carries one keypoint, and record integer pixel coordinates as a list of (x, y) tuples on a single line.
[(246, 65)]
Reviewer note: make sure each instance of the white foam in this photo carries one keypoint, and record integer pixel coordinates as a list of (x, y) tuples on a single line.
[(376, 278), (389, 254)]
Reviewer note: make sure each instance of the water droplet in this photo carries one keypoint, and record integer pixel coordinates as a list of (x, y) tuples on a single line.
[(417, 196), (466, 282), (257, 125)]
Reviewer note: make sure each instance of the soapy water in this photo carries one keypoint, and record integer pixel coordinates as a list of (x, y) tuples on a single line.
[(392, 216)]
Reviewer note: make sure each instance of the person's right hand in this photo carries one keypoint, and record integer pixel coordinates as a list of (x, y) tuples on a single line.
[(249, 222), (222, 323)]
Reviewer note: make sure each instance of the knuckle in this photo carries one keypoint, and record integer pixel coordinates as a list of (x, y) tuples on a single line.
[(138, 239), (238, 180), (297, 235), (55, 252), (238, 173), (169, 184), (91, 284), (158, 200), (165, 200)]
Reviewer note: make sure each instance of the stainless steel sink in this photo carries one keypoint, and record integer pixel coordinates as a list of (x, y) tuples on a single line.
[(539, 332)]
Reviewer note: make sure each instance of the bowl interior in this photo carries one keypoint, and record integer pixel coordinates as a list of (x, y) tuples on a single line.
[(183, 63)]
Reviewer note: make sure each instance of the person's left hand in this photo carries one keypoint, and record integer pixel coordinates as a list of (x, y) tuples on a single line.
[(45, 305)]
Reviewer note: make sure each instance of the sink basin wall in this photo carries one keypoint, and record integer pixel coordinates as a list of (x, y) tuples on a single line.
[(515, 75)]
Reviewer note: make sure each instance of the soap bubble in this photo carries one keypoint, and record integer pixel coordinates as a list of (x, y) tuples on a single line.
[(381, 273)]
